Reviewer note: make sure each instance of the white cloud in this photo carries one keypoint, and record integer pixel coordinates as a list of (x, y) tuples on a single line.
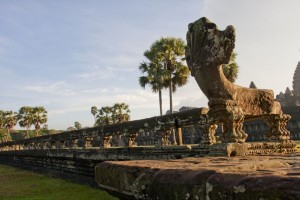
[(102, 73), (58, 88), (96, 91), (61, 111)]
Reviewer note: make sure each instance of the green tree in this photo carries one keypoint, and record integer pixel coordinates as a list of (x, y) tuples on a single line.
[(168, 55), (2, 125), (45, 130), (117, 113), (120, 113), (2, 119), (77, 125), (3, 133), (154, 77), (231, 69), (25, 117), (11, 119), (104, 116), (39, 117), (94, 111)]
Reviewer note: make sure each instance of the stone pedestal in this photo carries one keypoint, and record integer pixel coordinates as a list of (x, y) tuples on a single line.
[(229, 149)]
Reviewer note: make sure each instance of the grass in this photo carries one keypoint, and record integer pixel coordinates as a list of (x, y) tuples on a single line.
[(20, 184)]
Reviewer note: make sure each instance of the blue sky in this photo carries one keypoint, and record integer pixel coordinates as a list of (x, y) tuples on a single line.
[(70, 55)]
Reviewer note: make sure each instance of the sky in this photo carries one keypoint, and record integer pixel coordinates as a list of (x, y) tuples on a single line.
[(70, 55)]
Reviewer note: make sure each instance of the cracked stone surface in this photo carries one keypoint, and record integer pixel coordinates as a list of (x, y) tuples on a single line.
[(252, 177)]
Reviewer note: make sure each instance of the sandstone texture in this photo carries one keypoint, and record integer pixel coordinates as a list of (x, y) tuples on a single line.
[(208, 48), (252, 177)]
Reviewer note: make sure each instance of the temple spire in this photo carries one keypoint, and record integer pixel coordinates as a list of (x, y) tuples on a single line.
[(296, 81), (252, 85)]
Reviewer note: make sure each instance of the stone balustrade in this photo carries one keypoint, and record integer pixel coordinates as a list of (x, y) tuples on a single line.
[(101, 136)]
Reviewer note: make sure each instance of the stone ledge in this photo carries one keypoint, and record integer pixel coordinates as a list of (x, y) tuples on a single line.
[(253, 177)]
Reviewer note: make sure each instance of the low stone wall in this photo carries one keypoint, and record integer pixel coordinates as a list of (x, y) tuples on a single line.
[(78, 165), (124, 173), (253, 177)]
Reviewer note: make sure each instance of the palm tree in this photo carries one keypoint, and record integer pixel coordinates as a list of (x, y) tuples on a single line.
[(231, 69), (11, 119), (2, 124), (77, 125), (169, 53), (26, 118), (2, 119), (39, 117), (121, 112), (94, 111), (154, 76)]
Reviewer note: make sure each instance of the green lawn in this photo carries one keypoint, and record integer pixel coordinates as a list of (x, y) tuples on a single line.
[(20, 184)]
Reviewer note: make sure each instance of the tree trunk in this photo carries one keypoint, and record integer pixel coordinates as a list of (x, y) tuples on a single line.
[(171, 111), (160, 102), (170, 94), (6, 136)]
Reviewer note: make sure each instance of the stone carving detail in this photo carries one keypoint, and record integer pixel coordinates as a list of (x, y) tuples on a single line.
[(207, 49), (61, 144), (208, 133), (52, 144), (87, 142), (277, 130), (164, 137), (106, 141), (73, 143), (132, 139)]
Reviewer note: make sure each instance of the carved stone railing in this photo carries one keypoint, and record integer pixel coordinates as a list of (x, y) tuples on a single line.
[(101, 136)]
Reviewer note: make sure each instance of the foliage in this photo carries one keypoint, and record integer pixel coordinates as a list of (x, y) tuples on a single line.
[(77, 125), (26, 118), (20, 134), (10, 122), (231, 69), (3, 132), (117, 113), (94, 111), (52, 131), (39, 117), (20, 184), (165, 68), (2, 119), (120, 113)]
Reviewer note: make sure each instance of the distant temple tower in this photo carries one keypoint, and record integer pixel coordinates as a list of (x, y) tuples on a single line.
[(252, 85), (291, 97), (290, 102), (296, 81)]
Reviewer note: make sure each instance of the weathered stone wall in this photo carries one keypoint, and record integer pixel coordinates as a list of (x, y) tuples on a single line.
[(206, 178)]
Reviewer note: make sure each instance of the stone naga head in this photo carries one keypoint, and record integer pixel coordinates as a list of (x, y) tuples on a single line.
[(207, 46)]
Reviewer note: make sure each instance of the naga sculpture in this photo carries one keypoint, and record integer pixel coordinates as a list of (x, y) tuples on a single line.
[(229, 104)]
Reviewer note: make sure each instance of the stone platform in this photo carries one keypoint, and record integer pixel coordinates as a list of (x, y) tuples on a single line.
[(251, 177)]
